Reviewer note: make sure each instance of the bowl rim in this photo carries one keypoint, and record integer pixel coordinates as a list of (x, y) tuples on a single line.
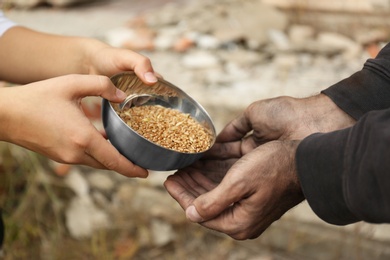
[(212, 130)]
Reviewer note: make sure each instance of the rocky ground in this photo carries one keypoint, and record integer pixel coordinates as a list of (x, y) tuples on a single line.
[(225, 54)]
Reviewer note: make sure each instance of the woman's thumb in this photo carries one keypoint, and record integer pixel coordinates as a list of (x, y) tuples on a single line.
[(95, 85)]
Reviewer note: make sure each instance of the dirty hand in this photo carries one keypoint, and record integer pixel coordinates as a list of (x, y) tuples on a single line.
[(46, 117), (107, 60), (281, 118), (240, 197)]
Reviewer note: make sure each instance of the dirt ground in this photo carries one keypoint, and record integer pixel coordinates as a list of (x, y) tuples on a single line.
[(143, 222)]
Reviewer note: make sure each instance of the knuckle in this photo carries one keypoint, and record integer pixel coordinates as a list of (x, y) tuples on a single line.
[(79, 144), (104, 81), (75, 147), (80, 141), (238, 184), (145, 60), (110, 164), (70, 157)]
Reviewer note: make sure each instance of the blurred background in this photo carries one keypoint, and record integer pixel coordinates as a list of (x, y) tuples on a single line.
[(225, 54)]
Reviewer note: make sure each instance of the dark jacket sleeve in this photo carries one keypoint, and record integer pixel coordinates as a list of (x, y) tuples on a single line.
[(366, 90), (345, 175)]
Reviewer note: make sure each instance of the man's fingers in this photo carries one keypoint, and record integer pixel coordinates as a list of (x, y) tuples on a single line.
[(225, 150), (213, 170), (175, 185), (214, 202), (235, 130), (237, 222), (235, 186), (205, 184)]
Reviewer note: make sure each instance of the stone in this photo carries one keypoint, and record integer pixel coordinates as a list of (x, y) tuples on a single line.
[(101, 200), (164, 42), (124, 195), (183, 44), (162, 232), (337, 41), (365, 36), (83, 218), (227, 74), (300, 34), (134, 39), (279, 39), (116, 37), (232, 21), (166, 16), (101, 181), (206, 41), (286, 62), (251, 20), (155, 203), (166, 38), (76, 182), (200, 60), (156, 178), (330, 5)]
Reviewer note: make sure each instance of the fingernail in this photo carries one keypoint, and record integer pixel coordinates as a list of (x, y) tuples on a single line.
[(120, 94), (150, 77), (193, 215)]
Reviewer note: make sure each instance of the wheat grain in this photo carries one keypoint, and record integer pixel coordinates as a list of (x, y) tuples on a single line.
[(168, 128)]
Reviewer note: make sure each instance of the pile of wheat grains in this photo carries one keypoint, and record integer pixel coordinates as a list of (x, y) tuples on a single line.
[(168, 128)]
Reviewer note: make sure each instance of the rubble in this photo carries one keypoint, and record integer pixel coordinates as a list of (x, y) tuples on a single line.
[(236, 52)]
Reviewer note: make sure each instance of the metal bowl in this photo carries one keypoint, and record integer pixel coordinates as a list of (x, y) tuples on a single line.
[(135, 147)]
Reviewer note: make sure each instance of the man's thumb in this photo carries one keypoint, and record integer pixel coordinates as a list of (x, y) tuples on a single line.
[(193, 215), (211, 204)]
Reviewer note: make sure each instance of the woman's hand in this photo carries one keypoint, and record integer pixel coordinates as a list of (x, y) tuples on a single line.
[(38, 56), (106, 60), (46, 117)]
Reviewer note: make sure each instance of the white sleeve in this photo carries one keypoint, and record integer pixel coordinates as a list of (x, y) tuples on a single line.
[(5, 23)]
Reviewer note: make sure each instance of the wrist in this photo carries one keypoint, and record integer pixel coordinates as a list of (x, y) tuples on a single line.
[(5, 114), (292, 147), (91, 47), (325, 115)]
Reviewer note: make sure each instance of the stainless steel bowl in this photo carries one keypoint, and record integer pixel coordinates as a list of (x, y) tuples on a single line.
[(138, 149)]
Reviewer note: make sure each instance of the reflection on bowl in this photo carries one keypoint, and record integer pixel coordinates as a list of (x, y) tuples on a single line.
[(137, 148)]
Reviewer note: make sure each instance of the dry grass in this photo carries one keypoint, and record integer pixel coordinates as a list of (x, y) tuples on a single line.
[(33, 202), (34, 199)]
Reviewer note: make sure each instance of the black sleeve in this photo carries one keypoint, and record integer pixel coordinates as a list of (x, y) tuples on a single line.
[(366, 90), (345, 175)]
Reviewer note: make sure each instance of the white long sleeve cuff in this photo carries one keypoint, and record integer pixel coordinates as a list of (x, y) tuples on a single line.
[(5, 23)]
